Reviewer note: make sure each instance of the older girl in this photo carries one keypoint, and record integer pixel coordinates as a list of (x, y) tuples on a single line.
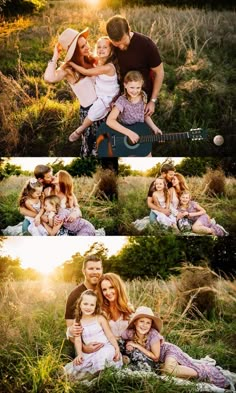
[(201, 222), (94, 325), (130, 108), (77, 51), (143, 334), (161, 199), (31, 198)]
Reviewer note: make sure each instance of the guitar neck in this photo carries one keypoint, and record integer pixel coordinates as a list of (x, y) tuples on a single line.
[(165, 137)]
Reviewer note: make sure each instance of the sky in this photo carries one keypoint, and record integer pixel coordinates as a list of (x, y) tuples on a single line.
[(136, 163), (142, 164), (29, 163), (46, 253)]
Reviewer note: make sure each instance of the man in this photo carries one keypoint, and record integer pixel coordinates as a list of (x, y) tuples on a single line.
[(92, 271), (167, 173), (44, 175), (136, 51)]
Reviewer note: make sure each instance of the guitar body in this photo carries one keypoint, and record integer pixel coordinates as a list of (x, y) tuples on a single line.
[(120, 144), (114, 144)]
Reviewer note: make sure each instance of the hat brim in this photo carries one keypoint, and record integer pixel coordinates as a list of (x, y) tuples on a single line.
[(157, 322), (71, 49)]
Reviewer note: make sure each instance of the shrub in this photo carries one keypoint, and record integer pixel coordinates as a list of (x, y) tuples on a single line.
[(215, 182), (197, 290), (16, 7)]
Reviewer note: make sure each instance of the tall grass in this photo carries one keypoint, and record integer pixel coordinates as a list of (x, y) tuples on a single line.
[(133, 192), (197, 90), (100, 211), (33, 348)]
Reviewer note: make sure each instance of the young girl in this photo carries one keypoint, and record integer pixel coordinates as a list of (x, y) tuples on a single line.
[(52, 209), (95, 327), (106, 85), (202, 223), (31, 199), (143, 333), (130, 107), (161, 199)]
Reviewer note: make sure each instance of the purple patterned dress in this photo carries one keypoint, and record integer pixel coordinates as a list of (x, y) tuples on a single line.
[(204, 219), (80, 227), (206, 372)]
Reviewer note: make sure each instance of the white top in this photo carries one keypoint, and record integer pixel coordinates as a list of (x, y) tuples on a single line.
[(35, 206), (118, 326), (106, 85)]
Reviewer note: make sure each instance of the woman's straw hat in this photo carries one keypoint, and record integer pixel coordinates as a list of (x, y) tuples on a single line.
[(146, 312), (68, 40)]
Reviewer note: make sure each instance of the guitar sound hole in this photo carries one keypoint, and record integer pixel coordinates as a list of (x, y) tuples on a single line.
[(129, 144)]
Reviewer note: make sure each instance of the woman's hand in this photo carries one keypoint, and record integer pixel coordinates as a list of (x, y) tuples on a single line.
[(78, 360), (117, 355), (56, 52)]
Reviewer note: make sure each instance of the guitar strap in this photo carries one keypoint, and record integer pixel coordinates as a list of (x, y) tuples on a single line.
[(109, 146)]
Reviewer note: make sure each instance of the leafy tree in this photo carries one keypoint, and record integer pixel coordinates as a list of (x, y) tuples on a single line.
[(10, 268), (72, 269), (98, 249), (147, 256), (154, 171), (124, 170), (15, 7), (82, 167)]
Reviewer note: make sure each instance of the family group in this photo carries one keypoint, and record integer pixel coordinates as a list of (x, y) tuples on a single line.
[(50, 206), (171, 205), (123, 79), (107, 331)]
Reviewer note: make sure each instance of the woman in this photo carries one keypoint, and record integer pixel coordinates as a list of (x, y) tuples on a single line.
[(178, 186), (62, 187), (114, 302), (77, 51)]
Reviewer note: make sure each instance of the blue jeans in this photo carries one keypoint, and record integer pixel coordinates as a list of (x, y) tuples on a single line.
[(152, 217), (25, 226)]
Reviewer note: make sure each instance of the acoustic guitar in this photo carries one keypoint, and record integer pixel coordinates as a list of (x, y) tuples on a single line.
[(111, 143)]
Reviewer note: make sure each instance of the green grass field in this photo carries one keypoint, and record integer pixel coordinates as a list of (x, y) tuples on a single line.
[(33, 347), (133, 192), (198, 51), (100, 211)]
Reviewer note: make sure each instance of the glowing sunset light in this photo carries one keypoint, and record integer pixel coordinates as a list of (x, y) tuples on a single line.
[(44, 254)]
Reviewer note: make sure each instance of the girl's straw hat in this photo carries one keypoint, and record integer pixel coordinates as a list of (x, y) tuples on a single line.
[(146, 312), (68, 40)]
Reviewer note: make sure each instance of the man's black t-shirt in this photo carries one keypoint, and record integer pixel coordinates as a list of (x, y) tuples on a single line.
[(141, 55), (72, 299)]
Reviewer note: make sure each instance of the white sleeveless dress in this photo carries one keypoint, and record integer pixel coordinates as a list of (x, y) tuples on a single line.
[(107, 88), (96, 361), (161, 218)]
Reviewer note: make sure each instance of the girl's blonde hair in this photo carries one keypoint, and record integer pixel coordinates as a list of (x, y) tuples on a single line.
[(135, 76), (54, 200), (65, 184), (78, 312), (27, 191), (122, 301), (165, 190)]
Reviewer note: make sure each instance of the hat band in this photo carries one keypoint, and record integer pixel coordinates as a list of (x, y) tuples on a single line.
[(72, 42)]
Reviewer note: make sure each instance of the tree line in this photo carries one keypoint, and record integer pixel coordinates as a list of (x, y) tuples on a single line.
[(143, 257)]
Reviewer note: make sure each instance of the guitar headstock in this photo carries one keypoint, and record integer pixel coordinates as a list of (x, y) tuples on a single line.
[(197, 134)]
